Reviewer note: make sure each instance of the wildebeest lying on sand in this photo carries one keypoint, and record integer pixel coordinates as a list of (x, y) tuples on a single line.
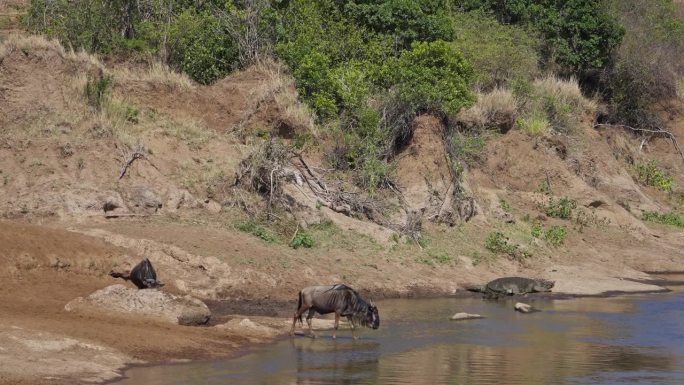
[(143, 275), (340, 299)]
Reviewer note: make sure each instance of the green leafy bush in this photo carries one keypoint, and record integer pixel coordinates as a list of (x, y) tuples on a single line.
[(577, 35), (431, 77), (561, 208), (671, 218), (555, 235), (259, 231), (500, 53), (302, 239), (96, 89), (497, 243), (649, 174), (201, 47), (537, 230)]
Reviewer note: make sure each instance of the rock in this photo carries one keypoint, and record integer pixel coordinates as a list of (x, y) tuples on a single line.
[(524, 308), (464, 316), (247, 326), (181, 199), (143, 199), (212, 206), (153, 303)]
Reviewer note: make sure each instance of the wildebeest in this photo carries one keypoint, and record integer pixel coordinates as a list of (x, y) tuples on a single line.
[(143, 275), (340, 299)]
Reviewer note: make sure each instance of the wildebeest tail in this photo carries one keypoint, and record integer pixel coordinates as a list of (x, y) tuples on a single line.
[(299, 306)]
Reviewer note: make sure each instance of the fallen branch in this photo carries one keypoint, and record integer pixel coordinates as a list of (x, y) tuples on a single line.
[(138, 153), (649, 131)]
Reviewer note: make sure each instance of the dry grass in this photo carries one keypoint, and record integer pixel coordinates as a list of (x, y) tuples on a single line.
[(41, 46), (279, 87), (496, 109), (564, 91), (157, 73), (189, 131)]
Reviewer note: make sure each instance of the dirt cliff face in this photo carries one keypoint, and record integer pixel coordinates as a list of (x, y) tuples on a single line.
[(78, 202)]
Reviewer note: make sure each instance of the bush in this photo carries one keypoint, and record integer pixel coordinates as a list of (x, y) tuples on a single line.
[(252, 227), (500, 54), (649, 174), (561, 101), (535, 123), (431, 77), (302, 239), (555, 235), (648, 63), (561, 208), (497, 243), (201, 47), (671, 218), (96, 89), (468, 148), (497, 109), (578, 35), (406, 20)]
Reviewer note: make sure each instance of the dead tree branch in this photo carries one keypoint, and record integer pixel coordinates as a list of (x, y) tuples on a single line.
[(137, 153), (659, 131)]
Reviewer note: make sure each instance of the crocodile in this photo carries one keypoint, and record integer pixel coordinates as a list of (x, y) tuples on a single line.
[(514, 285)]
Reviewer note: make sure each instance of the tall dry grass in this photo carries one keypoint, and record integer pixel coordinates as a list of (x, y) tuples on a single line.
[(497, 109)]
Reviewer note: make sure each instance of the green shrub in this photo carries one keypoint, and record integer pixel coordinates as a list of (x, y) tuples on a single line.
[(535, 124), (537, 230), (561, 208), (96, 89), (577, 35), (500, 54), (671, 218), (555, 235), (406, 20), (431, 77), (302, 239), (201, 47), (497, 243), (649, 174), (254, 228)]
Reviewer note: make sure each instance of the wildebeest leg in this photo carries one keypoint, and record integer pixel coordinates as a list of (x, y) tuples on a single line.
[(297, 316), (351, 325), (309, 318), (337, 323)]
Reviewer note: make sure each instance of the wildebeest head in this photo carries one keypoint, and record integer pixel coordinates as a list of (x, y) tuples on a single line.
[(372, 316)]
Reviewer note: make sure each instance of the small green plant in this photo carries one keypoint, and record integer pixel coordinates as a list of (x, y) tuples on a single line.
[(505, 206), (649, 174), (468, 148), (252, 227), (537, 230), (96, 89), (555, 235), (302, 239), (536, 124), (544, 187), (434, 259), (672, 218), (497, 243), (561, 208), (395, 237)]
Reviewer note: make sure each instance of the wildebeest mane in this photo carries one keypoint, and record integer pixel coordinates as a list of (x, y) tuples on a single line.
[(357, 306)]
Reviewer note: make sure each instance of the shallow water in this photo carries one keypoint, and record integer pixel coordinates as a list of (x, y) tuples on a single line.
[(623, 340)]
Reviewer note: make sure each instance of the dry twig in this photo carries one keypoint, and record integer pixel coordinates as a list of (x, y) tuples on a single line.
[(649, 131), (137, 153)]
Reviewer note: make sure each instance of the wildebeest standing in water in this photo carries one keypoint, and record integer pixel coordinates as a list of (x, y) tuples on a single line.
[(340, 299), (143, 275)]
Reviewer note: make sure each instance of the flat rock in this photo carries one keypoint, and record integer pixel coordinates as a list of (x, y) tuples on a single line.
[(524, 308), (153, 303), (464, 316)]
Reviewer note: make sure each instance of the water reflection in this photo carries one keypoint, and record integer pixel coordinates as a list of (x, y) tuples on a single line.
[(584, 341)]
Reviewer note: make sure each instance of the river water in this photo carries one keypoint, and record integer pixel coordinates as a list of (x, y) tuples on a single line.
[(636, 339)]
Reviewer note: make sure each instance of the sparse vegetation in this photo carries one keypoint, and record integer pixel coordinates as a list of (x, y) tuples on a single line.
[(302, 239), (560, 208), (498, 243), (649, 174), (259, 231), (672, 218), (555, 235), (96, 89)]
